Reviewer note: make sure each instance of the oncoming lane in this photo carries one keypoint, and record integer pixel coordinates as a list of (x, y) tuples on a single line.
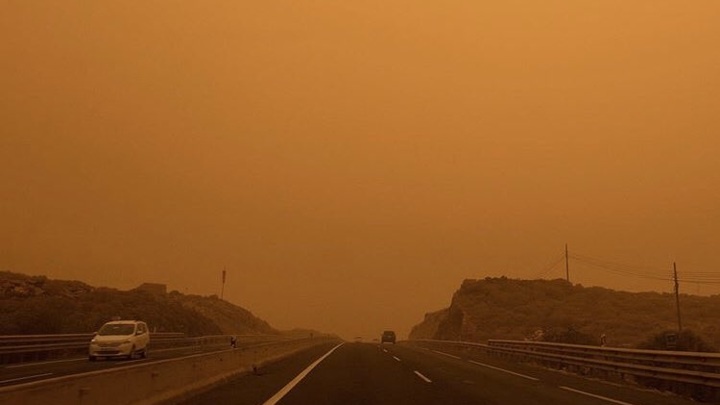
[(19, 373)]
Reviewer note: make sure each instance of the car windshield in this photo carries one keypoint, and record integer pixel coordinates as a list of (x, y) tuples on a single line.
[(117, 329)]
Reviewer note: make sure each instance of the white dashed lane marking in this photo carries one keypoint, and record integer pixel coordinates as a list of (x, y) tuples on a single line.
[(503, 370), (614, 401), (446, 354), (422, 377)]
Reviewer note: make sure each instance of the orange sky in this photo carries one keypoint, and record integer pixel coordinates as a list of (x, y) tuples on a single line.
[(350, 164)]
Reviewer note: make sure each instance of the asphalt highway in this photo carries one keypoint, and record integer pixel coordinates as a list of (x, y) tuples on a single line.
[(362, 373)]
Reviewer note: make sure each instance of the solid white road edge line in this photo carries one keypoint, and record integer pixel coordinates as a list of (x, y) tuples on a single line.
[(419, 374), (396, 358), (446, 354), (277, 397), (126, 362), (42, 363), (615, 401), (504, 371), (25, 378)]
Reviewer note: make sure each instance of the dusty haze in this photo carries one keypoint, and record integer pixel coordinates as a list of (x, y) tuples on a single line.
[(351, 162)]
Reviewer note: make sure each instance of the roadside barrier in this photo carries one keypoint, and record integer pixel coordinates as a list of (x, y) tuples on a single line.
[(153, 382), (668, 370)]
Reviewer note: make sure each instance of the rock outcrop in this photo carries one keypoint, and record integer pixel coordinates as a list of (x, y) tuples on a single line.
[(38, 305), (555, 310)]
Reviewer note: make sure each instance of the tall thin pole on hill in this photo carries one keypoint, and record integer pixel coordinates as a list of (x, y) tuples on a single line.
[(677, 296), (222, 289), (567, 265)]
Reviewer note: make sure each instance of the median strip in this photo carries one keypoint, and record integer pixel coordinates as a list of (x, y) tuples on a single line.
[(280, 394), (503, 370)]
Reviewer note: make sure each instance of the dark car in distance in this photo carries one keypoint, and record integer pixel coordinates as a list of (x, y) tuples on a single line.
[(388, 336)]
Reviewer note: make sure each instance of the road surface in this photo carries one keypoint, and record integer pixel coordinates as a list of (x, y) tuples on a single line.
[(361, 373)]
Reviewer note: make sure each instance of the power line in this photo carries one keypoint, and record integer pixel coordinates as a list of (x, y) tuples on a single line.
[(647, 272), (547, 269), (618, 265), (693, 281), (621, 268)]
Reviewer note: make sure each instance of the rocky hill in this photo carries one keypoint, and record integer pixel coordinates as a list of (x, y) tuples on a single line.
[(38, 305), (501, 308)]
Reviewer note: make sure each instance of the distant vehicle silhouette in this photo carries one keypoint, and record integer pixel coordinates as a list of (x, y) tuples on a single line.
[(388, 336)]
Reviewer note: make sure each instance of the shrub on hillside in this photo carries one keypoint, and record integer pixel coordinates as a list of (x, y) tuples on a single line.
[(37, 305), (685, 341), (568, 335)]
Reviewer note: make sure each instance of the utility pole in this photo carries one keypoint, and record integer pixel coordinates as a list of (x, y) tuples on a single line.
[(677, 296), (222, 290), (567, 265)]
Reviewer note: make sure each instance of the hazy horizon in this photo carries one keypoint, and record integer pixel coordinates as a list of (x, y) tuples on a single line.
[(350, 164)]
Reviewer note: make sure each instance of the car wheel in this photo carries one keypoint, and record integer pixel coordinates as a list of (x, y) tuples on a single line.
[(132, 353), (92, 358), (144, 353)]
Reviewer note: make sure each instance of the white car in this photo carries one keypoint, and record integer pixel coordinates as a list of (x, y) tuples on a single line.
[(120, 339)]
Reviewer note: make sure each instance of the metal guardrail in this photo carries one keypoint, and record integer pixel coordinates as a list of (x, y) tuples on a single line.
[(685, 367), (165, 381), (35, 340)]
